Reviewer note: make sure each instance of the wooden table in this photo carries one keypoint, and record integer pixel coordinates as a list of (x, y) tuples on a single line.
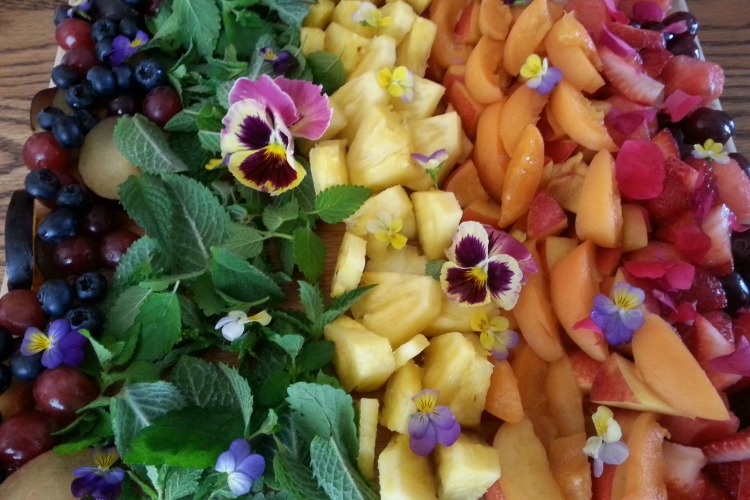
[(27, 49)]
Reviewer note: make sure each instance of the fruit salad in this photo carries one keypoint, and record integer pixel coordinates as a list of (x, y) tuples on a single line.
[(408, 249)]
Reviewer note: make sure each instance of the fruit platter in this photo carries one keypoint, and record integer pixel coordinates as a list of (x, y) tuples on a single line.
[(398, 249)]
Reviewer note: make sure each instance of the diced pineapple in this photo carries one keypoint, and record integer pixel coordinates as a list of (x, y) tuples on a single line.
[(455, 317), (342, 14), (404, 384), (393, 200), (402, 19), (419, 6), (439, 132), (312, 39), (466, 469), (355, 96), (407, 260), (381, 53), (362, 359), (404, 475), (438, 215), (427, 95), (338, 121), (350, 263), (320, 14), (414, 50), (346, 44), (453, 366), (401, 306), (368, 432), (328, 164), (380, 153), (410, 350)]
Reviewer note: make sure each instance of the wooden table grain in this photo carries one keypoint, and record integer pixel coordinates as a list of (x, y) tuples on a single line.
[(27, 49)]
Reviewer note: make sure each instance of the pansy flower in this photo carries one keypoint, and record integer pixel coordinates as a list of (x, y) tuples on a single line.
[(214, 163), (485, 265), (431, 424), (432, 164), (370, 16), (620, 316), (61, 345), (282, 61), (263, 118), (399, 82), (242, 467), (102, 481), (122, 48), (605, 447), (232, 325), (387, 229), (539, 74), (494, 334), (711, 151), (80, 7)]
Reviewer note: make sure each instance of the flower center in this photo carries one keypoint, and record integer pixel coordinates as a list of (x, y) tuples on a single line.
[(106, 459), (426, 403), (39, 342), (479, 274)]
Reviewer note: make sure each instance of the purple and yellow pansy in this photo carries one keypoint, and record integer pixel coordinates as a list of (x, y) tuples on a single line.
[(431, 424)]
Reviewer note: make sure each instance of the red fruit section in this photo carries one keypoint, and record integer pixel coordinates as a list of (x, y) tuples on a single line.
[(694, 77)]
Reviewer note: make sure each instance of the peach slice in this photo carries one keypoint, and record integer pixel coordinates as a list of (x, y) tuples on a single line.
[(554, 248), (583, 122), (571, 49), (454, 73), (599, 216), (574, 282), (503, 398), (666, 364), (448, 48), (465, 184), (489, 155), (564, 398), (495, 18), (531, 373), (526, 34), (570, 467), (642, 474), (523, 108), (485, 76), (484, 211), (523, 176)]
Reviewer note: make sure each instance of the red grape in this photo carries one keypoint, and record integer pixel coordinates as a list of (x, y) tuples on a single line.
[(20, 309), (98, 220), (62, 391), (23, 437), (77, 255), (82, 59), (73, 33), (43, 150), (114, 245), (161, 104)]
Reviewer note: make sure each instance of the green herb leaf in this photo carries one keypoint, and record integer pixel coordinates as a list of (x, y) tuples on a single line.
[(205, 296), (294, 476), (200, 23), (147, 201), (291, 12), (292, 344), (159, 316), (309, 253), (344, 302), (327, 71), (271, 423), (276, 215), (242, 394), (181, 482), (144, 144), (315, 355), (210, 140), (240, 280), (135, 263), (312, 301), (335, 472), (124, 311), (339, 202), (245, 241), (183, 121), (434, 268)]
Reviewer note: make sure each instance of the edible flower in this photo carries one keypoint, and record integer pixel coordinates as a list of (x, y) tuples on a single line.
[(61, 345), (494, 334), (711, 151), (605, 447), (102, 481), (122, 48), (387, 229), (369, 16), (79, 7), (431, 424), (214, 163), (233, 324), (540, 75), (485, 264), (620, 316), (242, 467), (432, 164), (282, 61), (399, 82), (263, 118)]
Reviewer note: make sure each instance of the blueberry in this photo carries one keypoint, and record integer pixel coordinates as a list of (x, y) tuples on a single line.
[(42, 184), (91, 286), (102, 81), (56, 297), (103, 49), (104, 28), (6, 377), (85, 317), (86, 119), (129, 26), (68, 132), (61, 14), (150, 73), (26, 367), (6, 344), (64, 76), (124, 76), (124, 104), (47, 117), (135, 4), (58, 225), (74, 196)]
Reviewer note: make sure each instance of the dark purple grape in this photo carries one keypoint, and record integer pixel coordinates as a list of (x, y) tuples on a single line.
[(691, 22), (114, 245), (99, 220), (161, 104), (25, 436), (73, 33), (122, 105), (20, 309), (56, 297), (42, 184), (658, 26), (81, 59), (42, 150), (684, 46), (735, 288), (91, 287), (77, 255), (707, 123), (57, 226), (62, 391)]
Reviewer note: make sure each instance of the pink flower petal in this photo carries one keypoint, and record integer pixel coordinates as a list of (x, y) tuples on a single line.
[(640, 169), (616, 15), (736, 362), (679, 104), (588, 324), (615, 43), (313, 112), (676, 275), (266, 91)]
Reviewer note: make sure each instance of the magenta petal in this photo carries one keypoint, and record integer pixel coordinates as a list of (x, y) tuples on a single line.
[(736, 362), (419, 424), (470, 251), (680, 104), (615, 43), (423, 446), (501, 242), (265, 90), (647, 11), (588, 324), (313, 112)]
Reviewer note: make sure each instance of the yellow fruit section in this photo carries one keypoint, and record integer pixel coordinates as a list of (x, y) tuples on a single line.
[(404, 474), (348, 45), (438, 215), (466, 469), (368, 432), (455, 317), (350, 264), (414, 50), (328, 164), (403, 385)]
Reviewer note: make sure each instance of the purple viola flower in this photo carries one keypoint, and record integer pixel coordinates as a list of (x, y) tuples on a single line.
[(620, 316), (431, 424), (540, 75), (122, 48), (61, 345), (494, 334), (607, 446), (282, 61), (485, 265), (242, 467), (103, 482), (264, 116)]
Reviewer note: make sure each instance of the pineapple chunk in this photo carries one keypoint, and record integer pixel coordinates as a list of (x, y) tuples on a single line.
[(419, 6), (401, 306), (350, 264), (342, 14), (438, 215), (455, 317), (408, 260), (381, 53), (313, 40), (368, 432), (427, 95), (398, 406), (466, 469), (363, 360), (346, 44), (402, 19), (358, 94), (404, 475), (338, 121), (320, 14), (410, 350), (380, 153), (439, 132), (453, 366), (328, 164), (393, 200), (414, 50)]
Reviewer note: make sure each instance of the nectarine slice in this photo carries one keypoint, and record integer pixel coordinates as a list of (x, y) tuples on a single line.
[(466, 106), (570, 467), (571, 49), (526, 34), (495, 18), (599, 216), (465, 184), (485, 76), (523, 176), (503, 399), (489, 154), (642, 474), (448, 48), (483, 211), (523, 108), (564, 398), (583, 122)]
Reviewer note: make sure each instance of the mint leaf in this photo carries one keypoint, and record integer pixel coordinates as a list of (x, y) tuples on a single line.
[(242, 394), (123, 313), (291, 12), (295, 477), (327, 71), (275, 215), (309, 252), (240, 280), (190, 437), (344, 302), (210, 140), (135, 263), (315, 356), (200, 23), (434, 268), (160, 326), (147, 202), (292, 344), (335, 472), (245, 241), (181, 483), (339, 202), (144, 144), (205, 295), (183, 121), (312, 301)]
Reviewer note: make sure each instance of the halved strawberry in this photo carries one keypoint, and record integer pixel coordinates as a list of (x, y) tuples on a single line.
[(734, 448), (638, 38), (717, 225), (723, 323), (734, 476), (673, 200), (665, 140), (630, 80), (706, 292), (734, 189), (707, 343), (688, 237)]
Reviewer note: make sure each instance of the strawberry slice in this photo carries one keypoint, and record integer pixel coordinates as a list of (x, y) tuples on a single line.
[(694, 77), (717, 225), (655, 60), (707, 343), (665, 140), (735, 476), (638, 38), (734, 448), (630, 80), (706, 292)]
